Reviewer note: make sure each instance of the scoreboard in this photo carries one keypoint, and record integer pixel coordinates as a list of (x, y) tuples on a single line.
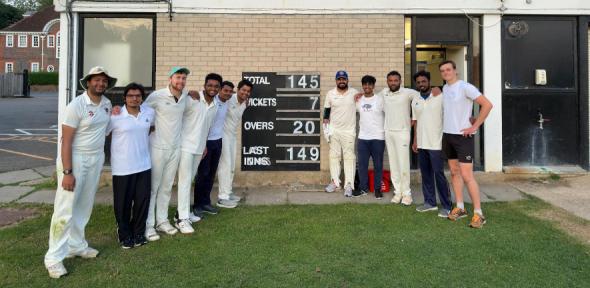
[(281, 126)]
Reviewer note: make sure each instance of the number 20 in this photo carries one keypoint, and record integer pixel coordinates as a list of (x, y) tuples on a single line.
[(309, 127)]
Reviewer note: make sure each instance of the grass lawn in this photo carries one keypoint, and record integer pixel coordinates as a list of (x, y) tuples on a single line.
[(315, 246)]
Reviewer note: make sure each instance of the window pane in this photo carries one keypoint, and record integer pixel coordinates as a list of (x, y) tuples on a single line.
[(123, 46)]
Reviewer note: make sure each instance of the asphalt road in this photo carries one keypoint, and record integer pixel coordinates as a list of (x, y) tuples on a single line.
[(28, 131)]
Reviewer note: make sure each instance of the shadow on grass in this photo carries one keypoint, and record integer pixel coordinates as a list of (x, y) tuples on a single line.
[(315, 246)]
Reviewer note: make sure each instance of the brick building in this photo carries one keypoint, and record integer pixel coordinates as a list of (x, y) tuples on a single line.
[(31, 43), (494, 43)]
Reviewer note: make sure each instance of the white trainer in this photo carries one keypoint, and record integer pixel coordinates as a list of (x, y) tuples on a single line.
[(348, 190), (166, 228), (151, 234), (235, 198), (87, 253), (193, 218), (184, 226), (396, 198), (331, 187), (407, 200), (57, 270)]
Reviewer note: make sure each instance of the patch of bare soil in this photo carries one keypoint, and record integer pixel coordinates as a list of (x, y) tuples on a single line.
[(572, 225), (10, 216)]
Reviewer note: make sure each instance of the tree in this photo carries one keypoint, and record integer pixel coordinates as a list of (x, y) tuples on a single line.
[(29, 5), (8, 15)]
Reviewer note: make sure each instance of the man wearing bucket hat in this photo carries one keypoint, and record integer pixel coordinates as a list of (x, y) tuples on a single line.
[(82, 158), (340, 114), (169, 104)]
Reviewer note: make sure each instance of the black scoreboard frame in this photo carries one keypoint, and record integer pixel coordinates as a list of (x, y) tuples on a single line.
[(281, 126)]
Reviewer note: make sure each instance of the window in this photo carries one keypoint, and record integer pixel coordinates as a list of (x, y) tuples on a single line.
[(9, 40), (9, 67), (35, 41), (129, 38), (50, 41), (35, 67), (50, 68), (58, 45), (22, 40)]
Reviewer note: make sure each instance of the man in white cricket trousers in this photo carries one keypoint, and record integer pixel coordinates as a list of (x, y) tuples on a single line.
[(82, 158), (397, 102), (340, 114), (227, 164), (169, 104), (197, 121)]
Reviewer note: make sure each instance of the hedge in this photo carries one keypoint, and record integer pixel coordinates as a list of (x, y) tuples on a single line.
[(43, 78)]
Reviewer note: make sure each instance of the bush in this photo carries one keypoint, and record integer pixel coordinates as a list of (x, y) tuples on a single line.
[(43, 78)]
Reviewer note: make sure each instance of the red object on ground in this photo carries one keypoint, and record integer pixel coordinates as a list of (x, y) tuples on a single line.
[(385, 184)]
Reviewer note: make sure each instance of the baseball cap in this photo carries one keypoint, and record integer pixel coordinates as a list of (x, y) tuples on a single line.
[(341, 74), (178, 69)]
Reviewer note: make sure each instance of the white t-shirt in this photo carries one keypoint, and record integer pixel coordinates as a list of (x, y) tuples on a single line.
[(429, 114), (216, 131), (235, 110), (458, 106), (196, 122), (168, 118), (371, 118), (397, 108), (130, 150), (342, 109), (90, 121)]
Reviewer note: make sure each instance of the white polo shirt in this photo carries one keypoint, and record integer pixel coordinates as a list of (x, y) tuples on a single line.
[(429, 114), (397, 108), (90, 121), (235, 110), (458, 106), (130, 149), (371, 118), (216, 131), (168, 118), (342, 109), (197, 120)]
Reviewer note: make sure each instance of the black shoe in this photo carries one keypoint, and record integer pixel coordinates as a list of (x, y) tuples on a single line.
[(199, 212), (357, 193), (127, 243), (140, 240), (378, 194), (209, 209), (364, 192)]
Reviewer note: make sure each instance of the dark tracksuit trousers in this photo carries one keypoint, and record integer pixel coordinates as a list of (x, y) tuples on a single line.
[(206, 174), (432, 170), (373, 149), (131, 195)]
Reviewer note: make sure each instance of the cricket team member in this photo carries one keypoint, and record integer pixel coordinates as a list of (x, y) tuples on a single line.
[(196, 123), (340, 114), (427, 118), (397, 102), (131, 166), (208, 166), (169, 104), (457, 140), (227, 163), (82, 158), (371, 138)]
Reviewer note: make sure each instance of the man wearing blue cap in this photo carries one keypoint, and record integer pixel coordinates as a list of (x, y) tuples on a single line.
[(340, 120), (169, 104)]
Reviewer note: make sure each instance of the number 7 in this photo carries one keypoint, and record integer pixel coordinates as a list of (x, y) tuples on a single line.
[(315, 100)]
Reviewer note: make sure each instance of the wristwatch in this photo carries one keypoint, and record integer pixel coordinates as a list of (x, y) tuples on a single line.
[(67, 171)]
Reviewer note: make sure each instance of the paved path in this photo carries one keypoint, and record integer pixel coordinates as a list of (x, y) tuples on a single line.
[(570, 194)]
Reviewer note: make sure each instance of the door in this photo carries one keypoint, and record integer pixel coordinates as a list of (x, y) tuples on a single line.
[(540, 117)]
